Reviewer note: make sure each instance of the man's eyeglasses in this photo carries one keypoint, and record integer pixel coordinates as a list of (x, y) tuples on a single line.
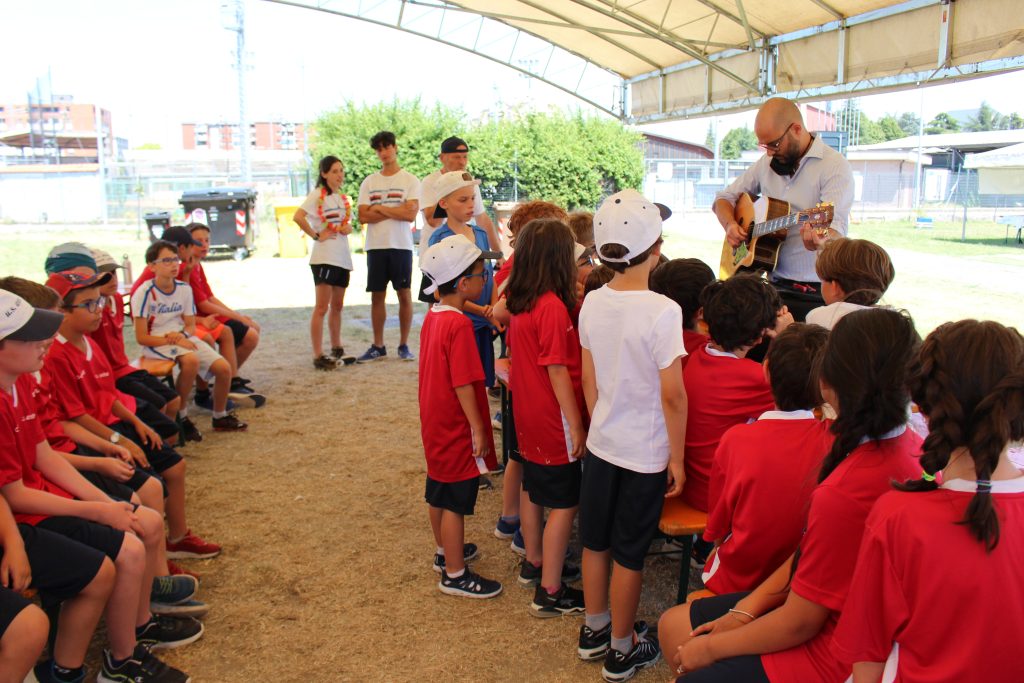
[(168, 260), (92, 305), (774, 144)]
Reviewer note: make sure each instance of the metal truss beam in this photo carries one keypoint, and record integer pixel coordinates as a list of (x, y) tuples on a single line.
[(583, 64)]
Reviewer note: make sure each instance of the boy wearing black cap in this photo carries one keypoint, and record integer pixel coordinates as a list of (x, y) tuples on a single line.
[(454, 156)]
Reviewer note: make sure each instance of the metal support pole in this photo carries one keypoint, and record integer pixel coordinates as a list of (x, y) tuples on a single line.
[(101, 158)]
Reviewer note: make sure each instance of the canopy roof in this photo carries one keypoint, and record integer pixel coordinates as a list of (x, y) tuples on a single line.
[(665, 59), (1005, 157)]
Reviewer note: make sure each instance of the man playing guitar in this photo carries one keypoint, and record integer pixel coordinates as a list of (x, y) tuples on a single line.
[(801, 169)]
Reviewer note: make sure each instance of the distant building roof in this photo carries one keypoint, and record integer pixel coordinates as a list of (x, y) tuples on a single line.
[(861, 154), (693, 147), (982, 141)]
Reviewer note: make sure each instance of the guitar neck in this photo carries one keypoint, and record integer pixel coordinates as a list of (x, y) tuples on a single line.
[(774, 225)]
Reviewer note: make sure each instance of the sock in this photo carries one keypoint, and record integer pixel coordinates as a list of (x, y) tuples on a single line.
[(553, 590), (183, 413), (511, 519), (456, 575), (440, 551), (623, 645), (220, 413), (67, 675), (596, 622)]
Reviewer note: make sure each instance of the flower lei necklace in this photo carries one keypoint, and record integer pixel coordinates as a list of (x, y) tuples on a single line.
[(320, 207)]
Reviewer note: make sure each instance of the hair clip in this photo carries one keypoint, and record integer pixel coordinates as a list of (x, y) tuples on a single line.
[(984, 486), (926, 476)]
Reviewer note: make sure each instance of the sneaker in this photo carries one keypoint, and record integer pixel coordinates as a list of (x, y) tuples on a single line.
[(324, 363), (484, 483), (141, 667), (42, 672), (189, 608), (622, 667), (373, 353), (173, 590), (405, 354), (530, 575), (192, 547), (162, 633), (567, 601), (469, 552), (594, 644), (505, 529), (338, 354), (229, 423), (204, 400), (518, 545), (190, 431), (496, 421), (240, 386), (494, 392), (249, 400), (178, 570), (469, 585)]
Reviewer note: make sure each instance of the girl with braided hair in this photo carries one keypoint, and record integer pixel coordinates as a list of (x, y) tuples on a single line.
[(937, 593), (782, 632)]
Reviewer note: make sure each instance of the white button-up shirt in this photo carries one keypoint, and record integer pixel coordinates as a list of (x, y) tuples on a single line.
[(823, 175)]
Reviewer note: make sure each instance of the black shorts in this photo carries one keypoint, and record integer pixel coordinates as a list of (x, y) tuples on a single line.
[(136, 482), (388, 265), (457, 496), (161, 458), (145, 386), (324, 274), (11, 605), (115, 489), (742, 669), (157, 421), (61, 565), (553, 486), (240, 329), (620, 510)]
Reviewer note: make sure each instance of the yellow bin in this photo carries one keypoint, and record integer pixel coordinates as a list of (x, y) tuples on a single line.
[(291, 241)]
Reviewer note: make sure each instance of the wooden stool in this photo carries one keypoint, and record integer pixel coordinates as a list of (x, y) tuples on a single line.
[(698, 595), (158, 367), (679, 521)]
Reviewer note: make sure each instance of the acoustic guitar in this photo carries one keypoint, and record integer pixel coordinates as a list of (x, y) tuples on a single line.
[(767, 225)]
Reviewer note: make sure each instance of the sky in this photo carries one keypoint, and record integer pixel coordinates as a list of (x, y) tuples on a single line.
[(155, 64)]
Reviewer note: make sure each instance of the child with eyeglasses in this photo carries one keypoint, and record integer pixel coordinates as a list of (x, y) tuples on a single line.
[(165, 318)]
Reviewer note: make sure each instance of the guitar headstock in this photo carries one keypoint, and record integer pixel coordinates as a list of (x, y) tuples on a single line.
[(818, 218)]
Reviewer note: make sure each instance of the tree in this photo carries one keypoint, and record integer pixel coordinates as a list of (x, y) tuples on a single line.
[(709, 139), (910, 124), (942, 123), (1013, 122), (570, 159), (737, 141), (987, 118), (889, 126)]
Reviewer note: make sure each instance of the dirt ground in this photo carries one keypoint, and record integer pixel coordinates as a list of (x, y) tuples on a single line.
[(326, 570)]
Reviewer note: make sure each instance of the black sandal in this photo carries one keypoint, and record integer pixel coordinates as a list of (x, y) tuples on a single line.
[(324, 363)]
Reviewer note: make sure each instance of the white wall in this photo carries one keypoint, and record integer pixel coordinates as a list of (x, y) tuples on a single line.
[(63, 197)]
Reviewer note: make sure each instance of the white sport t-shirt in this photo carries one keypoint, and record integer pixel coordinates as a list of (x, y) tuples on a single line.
[(334, 251), (631, 336), (164, 311), (428, 197), (389, 190)]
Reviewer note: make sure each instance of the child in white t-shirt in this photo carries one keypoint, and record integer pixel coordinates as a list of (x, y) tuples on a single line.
[(326, 216), (165, 324), (854, 275), (632, 382)]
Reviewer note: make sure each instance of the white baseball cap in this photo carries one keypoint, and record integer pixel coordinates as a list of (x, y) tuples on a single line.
[(19, 321), (105, 263), (629, 219), (449, 259), (445, 185)]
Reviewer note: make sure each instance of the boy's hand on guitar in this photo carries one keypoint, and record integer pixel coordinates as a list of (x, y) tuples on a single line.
[(735, 234)]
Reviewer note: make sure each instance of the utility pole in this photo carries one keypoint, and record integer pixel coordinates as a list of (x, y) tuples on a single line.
[(233, 15)]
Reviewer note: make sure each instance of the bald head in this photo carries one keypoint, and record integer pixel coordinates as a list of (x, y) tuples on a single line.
[(776, 114)]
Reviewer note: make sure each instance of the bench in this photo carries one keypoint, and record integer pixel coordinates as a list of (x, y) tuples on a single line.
[(158, 367), (680, 522)]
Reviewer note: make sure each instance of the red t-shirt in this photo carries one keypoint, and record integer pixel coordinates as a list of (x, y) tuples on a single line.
[(109, 337), (543, 336), (504, 271), (40, 389), (20, 433), (923, 579), (762, 479), (693, 342), (449, 359), (146, 274), (722, 391), (83, 382), (828, 551)]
